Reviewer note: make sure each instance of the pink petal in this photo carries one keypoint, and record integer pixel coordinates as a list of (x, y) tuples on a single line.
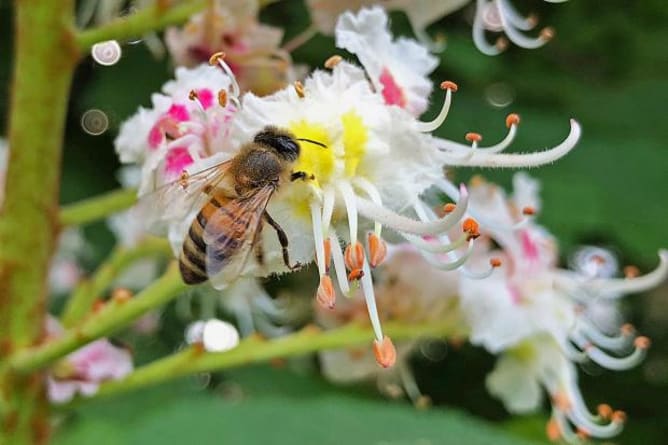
[(205, 97), (176, 160), (392, 92)]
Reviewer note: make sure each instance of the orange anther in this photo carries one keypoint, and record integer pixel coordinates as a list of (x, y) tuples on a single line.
[(354, 256), (121, 295), (377, 249), (333, 61), (449, 85), (473, 137), (512, 119), (619, 416), (355, 274), (325, 295), (495, 262), (328, 253), (561, 401), (604, 411), (501, 44), (582, 433), (532, 20), (299, 88), (628, 329), (192, 95), (547, 33), (631, 271), (449, 208), (386, 354), (471, 228), (642, 342), (552, 430), (222, 98), (215, 57), (528, 211)]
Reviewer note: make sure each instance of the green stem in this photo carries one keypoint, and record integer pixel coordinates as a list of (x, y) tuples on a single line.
[(45, 57), (256, 349), (97, 207), (110, 318), (152, 18), (84, 296)]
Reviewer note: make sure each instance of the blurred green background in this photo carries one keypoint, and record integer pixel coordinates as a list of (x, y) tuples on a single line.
[(607, 67)]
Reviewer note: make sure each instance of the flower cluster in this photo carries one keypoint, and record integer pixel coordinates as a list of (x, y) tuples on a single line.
[(366, 155)]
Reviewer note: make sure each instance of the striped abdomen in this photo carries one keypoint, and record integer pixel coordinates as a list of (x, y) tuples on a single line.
[(226, 230)]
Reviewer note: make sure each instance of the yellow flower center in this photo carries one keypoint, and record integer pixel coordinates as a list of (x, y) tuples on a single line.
[(355, 137)]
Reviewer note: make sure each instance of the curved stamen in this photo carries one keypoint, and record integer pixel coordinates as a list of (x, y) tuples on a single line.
[(370, 298), (564, 427), (479, 32), (452, 265), (316, 221), (612, 343), (339, 264), (615, 287), (428, 127), (616, 363), (521, 160), (328, 199), (349, 199), (434, 247), (235, 91), (514, 18), (401, 223), (515, 34)]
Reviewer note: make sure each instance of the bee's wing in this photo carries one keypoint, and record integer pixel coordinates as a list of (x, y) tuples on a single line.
[(230, 235), (174, 201)]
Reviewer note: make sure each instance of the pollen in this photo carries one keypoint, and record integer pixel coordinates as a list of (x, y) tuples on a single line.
[(449, 85), (642, 342), (473, 137), (299, 88), (215, 57), (471, 227), (495, 262), (529, 211), (222, 98), (331, 62), (325, 294), (386, 354), (547, 33), (512, 119), (121, 295), (354, 256), (449, 208), (604, 411), (355, 275), (631, 271), (377, 249)]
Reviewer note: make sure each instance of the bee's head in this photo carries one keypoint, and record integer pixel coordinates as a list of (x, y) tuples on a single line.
[(281, 141)]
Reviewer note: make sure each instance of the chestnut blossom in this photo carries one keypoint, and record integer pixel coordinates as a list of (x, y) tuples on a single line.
[(364, 165), (252, 49), (408, 290), (499, 16), (545, 319), (82, 371)]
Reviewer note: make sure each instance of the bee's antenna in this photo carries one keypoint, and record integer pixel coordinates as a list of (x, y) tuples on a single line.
[(320, 144)]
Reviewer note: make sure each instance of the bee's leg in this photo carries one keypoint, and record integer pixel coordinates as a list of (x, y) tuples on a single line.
[(301, 175), (259, 249), (283, 239)]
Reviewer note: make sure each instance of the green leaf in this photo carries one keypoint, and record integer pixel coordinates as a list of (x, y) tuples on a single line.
[(276, 406)]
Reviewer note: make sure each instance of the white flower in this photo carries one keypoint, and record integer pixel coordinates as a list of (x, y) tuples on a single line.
[(500, 16), (214, 335), (397, 69), (545, 318)]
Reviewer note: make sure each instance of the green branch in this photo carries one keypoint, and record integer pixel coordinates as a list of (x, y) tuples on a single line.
[(112, 317), (152, 18), (83, 298), (97, 207), (44, 61), (255, 349)]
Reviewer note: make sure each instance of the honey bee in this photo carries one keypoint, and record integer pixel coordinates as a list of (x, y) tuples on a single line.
[(233, 198)]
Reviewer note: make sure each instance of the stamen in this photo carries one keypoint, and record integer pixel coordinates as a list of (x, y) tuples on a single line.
[(604, 411), (479, 32), (219, 59), (351, 208), (325, 295), (428, 127), (370, 298), (299, 88), (631, 271), (615, 287), (328, 199), (222, 98), (552, 430), (377, 249), (449, 208), (385, 352), (354, 256), (613, 343), (328, 254), (373, 194), (619, 363), (528, 211), (339, 264), (517, 160), (193, 96), (512, 119), (471, 228), (316, 221), (513, 32), (435, 246), (452, 265), (401, 223), (355, 275), (331, 62), (495, 262), (473, 138)]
